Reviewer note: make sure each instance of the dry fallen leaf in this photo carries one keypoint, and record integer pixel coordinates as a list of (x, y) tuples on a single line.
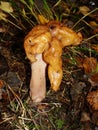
[(1, 85), (95, 118), (96, 32), (42, 19), (2, 30), (6, 7), (94, 15), (95, 47), (85, 117), (84, 10), (93, 23), (3, 16), (90, 65), (93, 79), (92, 99)]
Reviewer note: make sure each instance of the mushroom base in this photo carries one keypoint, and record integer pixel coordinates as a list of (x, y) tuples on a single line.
[(38, 80)]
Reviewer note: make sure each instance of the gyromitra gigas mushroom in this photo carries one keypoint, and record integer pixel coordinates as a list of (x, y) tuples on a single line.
[(92, 99), (43, 46)]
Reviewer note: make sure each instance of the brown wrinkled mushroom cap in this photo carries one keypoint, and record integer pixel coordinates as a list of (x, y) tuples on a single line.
[(37, 41), (66, 35), (92, 99)]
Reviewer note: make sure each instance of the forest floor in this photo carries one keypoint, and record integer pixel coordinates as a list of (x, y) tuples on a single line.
[(66, 109)]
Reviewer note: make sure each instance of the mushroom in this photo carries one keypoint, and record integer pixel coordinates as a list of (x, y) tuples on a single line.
[(43, 46), (36, 42)]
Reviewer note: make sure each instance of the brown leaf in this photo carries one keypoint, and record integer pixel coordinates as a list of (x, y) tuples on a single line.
[(85, 117), (92, 99), (89, 64), (95, 118), (80, 62), (42, 19), (94, 79), (1, 85), (93, 24), (6, 7), (96, 32), (95, 47), (94, 16), (84, 10)]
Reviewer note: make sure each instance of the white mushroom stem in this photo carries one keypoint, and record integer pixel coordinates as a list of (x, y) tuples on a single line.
[(38, 79)]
